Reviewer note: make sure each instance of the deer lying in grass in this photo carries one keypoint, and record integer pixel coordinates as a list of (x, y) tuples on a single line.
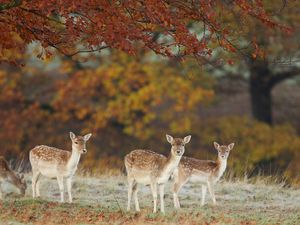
[(206, 172), (147, 167), (6, 174), (56, 163)]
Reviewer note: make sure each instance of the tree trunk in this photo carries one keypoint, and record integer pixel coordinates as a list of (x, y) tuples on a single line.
[(262, 81), (260, 91), (261, 100)]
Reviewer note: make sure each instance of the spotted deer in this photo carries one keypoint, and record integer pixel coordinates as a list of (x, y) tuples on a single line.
[(7, 174), (56, 163), (150, 168), (206, 172)]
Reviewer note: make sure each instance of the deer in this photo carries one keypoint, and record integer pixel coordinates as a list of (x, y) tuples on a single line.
[(206, 172), (57, 163), (7, 174), (150, 168)]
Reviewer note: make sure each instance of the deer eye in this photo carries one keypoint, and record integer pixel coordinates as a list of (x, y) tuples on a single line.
[(76, 142)]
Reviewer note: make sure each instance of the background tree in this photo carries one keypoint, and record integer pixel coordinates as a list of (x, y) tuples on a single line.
[(275, 61)]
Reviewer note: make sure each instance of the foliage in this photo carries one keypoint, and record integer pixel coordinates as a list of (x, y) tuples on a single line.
[(132, 95), (160, 25)]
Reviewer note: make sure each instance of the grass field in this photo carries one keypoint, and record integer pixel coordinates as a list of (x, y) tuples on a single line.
[(102, 200)]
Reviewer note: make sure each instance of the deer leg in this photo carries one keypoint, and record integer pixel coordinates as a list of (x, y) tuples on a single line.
[(204, 189), (176, 188), (130, 187), (161, 194), (1, 196), (60, 181), (38, 182), (175, 195), (210, 186), (136, 200), (35, 177), (69, 187), (154, 194)]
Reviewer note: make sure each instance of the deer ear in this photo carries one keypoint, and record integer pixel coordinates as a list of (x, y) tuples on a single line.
[(87, 136), (231, 146), (217, 146), (187, 139), (169, 138), (72, 136)]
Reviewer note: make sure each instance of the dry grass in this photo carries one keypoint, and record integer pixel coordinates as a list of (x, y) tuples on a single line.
[(102, 200)]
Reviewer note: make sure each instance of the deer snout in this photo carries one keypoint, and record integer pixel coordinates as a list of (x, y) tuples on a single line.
[(22, 191), (84, 151), (178, 152)]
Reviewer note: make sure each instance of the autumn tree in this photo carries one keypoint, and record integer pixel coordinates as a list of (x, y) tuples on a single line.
[(163, 26), (72, 27)]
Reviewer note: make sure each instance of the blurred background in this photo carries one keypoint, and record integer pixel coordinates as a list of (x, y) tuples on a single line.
[(131, 102)]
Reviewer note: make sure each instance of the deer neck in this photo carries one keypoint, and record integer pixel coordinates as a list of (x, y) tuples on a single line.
[(171, 164), (222, 164), (73, 160)]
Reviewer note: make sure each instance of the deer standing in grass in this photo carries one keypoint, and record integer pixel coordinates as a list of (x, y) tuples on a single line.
[(6, 174), (56, 163), (206, 172), (147, 167)]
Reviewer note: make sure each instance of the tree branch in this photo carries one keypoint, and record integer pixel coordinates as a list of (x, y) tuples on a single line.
[(279, 77), (41, 15), (87, 51)]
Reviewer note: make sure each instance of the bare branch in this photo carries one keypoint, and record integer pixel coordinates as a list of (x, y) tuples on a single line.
[(278, 77), (87, 51), (41, 15)]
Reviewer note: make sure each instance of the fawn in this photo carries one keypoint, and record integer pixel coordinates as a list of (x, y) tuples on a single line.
[(56, 163), (206, 172), (6, 174), (147, 167)]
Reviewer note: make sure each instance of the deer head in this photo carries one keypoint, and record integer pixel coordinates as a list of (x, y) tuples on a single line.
[(178, 144), (223, 150), (79, 142), (20, 183)]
